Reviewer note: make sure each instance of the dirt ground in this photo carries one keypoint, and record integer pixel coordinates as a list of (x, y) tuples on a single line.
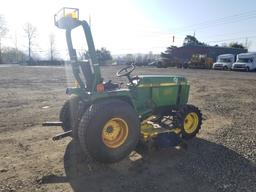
[(221, 158)]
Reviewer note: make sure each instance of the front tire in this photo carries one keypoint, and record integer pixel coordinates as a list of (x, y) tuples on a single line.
[(225, 68), (190, 121), (109, 130)]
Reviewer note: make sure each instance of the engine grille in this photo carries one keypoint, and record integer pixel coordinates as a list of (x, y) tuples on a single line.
[(218, 65), (239, 66)]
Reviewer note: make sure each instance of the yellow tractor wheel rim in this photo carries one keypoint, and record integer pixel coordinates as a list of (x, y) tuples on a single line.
[(191, 122), (115, 133)]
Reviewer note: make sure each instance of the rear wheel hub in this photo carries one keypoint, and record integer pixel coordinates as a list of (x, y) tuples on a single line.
[(115, 133)]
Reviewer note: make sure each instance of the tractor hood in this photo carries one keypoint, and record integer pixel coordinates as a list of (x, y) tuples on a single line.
[(160, 80), (159, 91)]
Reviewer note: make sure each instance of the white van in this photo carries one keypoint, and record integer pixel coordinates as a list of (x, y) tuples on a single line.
[(245, 61), (224, 61)]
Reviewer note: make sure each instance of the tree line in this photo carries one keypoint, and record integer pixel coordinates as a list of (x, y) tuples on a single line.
[(14, 54), (192, 40)]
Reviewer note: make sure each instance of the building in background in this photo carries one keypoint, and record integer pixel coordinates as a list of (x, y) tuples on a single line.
[(191, 47)]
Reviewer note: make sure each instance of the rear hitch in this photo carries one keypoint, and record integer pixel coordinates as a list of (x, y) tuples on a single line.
[(52, 123), (62, 135)]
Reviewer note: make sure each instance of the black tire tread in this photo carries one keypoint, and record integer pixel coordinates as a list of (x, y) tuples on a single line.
[(71, 120), (65, 115), (181, 114), (86, 120)]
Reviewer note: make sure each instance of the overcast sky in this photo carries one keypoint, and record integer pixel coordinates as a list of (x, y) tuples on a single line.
[(130, 26)]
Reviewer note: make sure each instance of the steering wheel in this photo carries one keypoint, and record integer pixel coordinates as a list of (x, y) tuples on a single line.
[(126, 71)]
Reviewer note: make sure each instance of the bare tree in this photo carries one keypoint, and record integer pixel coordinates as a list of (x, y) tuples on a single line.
[(15, 41), (3, 31), (52, 46), (30, 32)]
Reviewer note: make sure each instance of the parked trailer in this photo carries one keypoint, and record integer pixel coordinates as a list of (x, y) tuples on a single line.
[(245, 61), (224, 62)]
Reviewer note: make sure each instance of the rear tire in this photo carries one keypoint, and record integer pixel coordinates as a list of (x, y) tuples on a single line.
[(189, 119), (109, 130), (70, 114), (67, 113)]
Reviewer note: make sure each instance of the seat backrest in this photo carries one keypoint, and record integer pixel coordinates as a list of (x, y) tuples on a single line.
[(87, 72)]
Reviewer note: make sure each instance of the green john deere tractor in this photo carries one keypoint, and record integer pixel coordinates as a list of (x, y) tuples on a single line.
[(108, 122)]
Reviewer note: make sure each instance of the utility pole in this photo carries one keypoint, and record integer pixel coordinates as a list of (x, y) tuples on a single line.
[(246, 43)]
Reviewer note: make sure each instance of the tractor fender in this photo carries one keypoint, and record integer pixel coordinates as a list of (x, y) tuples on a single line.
[(122, 98)]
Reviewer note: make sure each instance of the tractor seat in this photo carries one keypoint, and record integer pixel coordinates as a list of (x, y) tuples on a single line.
[(110, 86)]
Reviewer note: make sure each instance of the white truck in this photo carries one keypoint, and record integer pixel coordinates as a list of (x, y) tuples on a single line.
[(245, 61), (224, 62)]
